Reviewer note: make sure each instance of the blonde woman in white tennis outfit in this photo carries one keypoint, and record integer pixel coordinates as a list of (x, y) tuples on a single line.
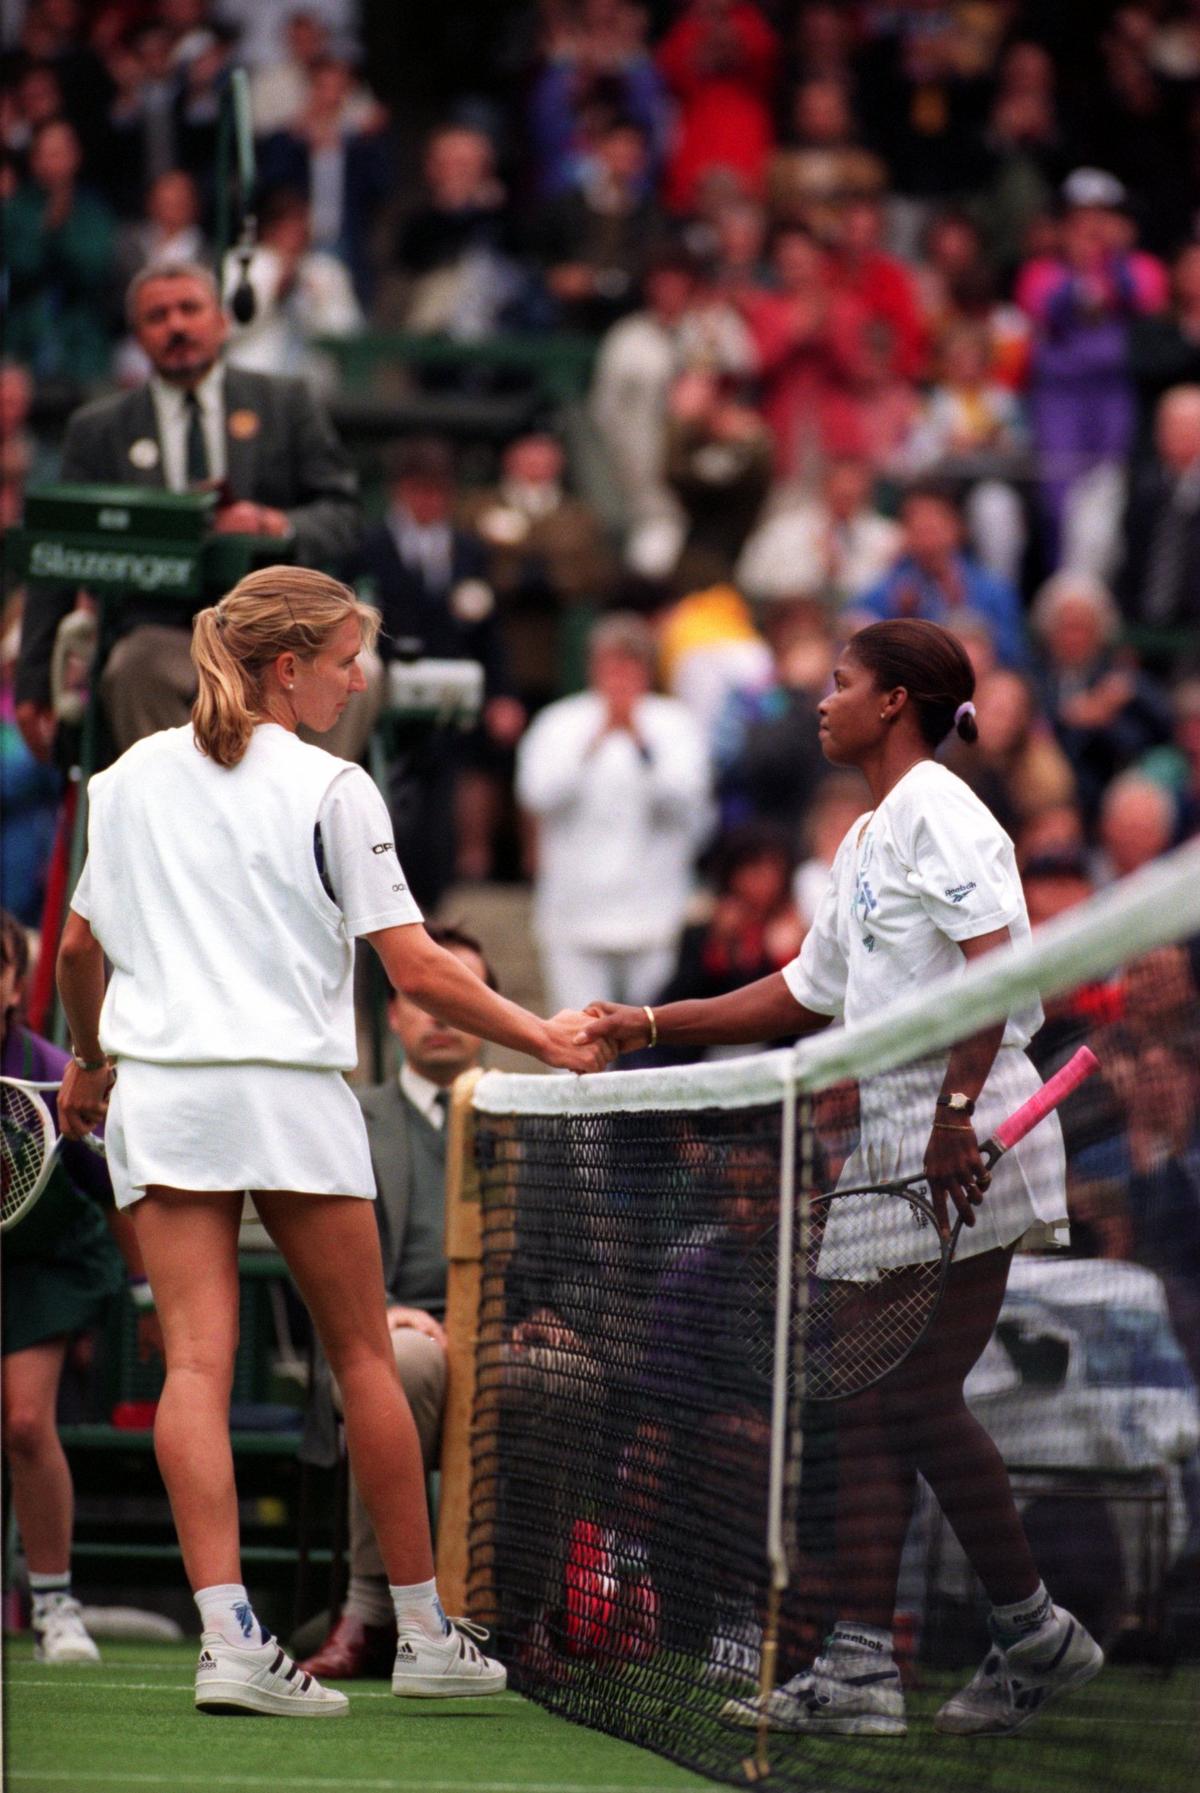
[(230, 869), (923, 883)]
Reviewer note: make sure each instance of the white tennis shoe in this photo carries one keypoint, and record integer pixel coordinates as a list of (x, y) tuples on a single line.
[(446, 1668), (1011, 1686), (263, 1679), (846, 1693), (60, 1635)]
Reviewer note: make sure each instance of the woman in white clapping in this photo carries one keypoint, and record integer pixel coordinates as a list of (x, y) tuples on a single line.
[(230, 869)]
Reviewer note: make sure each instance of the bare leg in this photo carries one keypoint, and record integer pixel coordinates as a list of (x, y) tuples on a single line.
[(917, 1420), (42, 1495), (331, 1245), (189, 1244)]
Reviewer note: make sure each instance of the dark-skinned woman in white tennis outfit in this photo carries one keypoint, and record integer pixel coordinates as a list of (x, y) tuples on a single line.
[(230, 868), (923, 883)]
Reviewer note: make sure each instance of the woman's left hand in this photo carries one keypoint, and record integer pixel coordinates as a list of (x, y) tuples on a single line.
[(83, 1099), (956, 1172)]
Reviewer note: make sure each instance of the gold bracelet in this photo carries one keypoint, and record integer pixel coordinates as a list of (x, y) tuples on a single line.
[(649, 1014), (955, 1126)]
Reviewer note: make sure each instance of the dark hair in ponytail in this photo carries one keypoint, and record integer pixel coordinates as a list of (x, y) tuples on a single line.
[(930, 664)]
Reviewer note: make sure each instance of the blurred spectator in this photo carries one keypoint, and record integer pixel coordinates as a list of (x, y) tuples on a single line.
[(838, 804), (1160, 573), (739, 263), (1137, 123), (455, 249), (548, 558), (922, 93), (823, 41), (1016, 766), (769, 760), (264, 26), (1177, 767), (169, 229), (1082, 404), (1023, 137), (831, 546), (1051, 832), (596, 238), (146, 137), (33, 98), (1104, 711), (709, 647), (753, 929), (301, 293), (678, 327), (597, 68), (935, 579), (810, 340), (429, 580), (1054, 883), (883, 287), (720, 60), (971, 431), (31, 792), (826, 165), (339, 154), (617, 780), (1164, 347), (1137, 823), (59, 245), (957, 286), (719, 454), (54, 35), (19, 452), (280, 89), (1162, 1140), (263, 442)]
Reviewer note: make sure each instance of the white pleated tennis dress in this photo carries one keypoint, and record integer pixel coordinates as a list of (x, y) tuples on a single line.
[(230, 1006), (930, 867)]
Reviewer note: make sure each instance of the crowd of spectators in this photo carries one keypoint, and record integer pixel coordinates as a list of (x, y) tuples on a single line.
[(895, 311)]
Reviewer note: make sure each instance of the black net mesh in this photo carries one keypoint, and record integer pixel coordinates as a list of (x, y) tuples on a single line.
[(623, 1422)]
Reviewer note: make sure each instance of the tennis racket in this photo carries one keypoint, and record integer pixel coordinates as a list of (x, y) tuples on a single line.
[(877, 1261), (29, 1146)]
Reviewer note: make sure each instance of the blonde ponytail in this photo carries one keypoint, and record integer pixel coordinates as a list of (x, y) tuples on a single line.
[(273, 611)]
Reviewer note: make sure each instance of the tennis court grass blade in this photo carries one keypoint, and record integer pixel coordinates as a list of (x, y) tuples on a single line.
[(129, 1724)]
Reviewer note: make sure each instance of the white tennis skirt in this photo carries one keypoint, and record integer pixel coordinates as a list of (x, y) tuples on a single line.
[(238, 1127), (1026, 1200)]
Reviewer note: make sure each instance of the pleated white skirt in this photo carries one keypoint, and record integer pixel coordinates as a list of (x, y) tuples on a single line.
[(238, 1127), (1027, 1198)]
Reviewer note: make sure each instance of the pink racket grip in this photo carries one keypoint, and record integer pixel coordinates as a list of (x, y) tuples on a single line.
[(1023, 1119)]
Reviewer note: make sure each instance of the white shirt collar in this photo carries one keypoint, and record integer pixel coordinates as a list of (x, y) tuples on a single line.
[(423, 1095), (209, 391)]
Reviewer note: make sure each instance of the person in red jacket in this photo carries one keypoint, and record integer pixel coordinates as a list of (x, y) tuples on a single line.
[(720, 60)]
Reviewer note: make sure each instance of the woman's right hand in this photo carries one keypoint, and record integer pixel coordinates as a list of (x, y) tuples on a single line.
[(83, 1099), (617, 1024)]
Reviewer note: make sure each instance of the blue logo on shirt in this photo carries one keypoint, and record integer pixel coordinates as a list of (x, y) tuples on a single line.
[(957, 892)]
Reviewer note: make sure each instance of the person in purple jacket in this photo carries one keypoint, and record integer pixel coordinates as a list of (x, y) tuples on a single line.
[(60, 1269), (1082, 399)]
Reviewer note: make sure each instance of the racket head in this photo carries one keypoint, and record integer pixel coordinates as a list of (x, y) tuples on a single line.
[(876, 1270), (28, 1147)]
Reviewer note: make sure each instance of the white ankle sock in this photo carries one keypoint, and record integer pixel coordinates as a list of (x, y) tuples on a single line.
[(226, 1609), (418, 1608), (47, 1590), (1023, 1616), (876, 1640), (367, 1599)]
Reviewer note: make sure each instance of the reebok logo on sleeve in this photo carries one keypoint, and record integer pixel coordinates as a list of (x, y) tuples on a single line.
[(957, 892)]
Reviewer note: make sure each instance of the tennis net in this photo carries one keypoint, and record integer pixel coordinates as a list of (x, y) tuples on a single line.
[(669, 1503)]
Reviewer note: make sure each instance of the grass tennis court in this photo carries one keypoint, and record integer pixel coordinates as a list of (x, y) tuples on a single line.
[(129, 1724)]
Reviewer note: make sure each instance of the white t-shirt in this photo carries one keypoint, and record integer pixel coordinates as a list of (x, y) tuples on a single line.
[(203, 886), (930, 867)]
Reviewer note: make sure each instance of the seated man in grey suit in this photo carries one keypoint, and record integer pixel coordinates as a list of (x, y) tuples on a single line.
[(406, 1122), (262, 441)]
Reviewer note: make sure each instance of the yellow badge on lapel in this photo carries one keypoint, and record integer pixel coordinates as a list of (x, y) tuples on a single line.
[(244, 425)]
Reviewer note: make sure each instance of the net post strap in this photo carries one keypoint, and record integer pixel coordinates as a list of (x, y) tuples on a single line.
[(464, 1252)]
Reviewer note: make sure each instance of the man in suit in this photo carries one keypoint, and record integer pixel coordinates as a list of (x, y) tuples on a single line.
[(429, 579), (406, 1123), (261, 441), (1159, 583)]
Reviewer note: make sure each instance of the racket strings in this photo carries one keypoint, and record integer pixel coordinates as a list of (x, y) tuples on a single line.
[(22, 1149)]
